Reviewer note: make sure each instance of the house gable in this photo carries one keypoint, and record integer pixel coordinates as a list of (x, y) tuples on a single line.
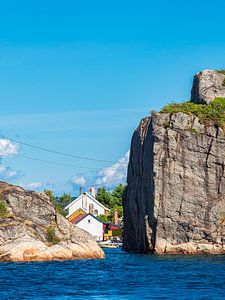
[(92, 225), (88, 204), (93, 217)]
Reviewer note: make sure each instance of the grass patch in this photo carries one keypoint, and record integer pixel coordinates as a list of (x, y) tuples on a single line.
[(3, 209), (51, 236), (221, 71), (214, 112)]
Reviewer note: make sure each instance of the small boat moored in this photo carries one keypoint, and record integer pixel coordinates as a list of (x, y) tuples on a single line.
[(109, 244)]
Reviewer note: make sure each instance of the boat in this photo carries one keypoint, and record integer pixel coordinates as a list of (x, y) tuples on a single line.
[(109, 244)]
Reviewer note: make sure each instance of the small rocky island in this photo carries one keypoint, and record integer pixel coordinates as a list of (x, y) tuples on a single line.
[(175, 198), (32, 230)]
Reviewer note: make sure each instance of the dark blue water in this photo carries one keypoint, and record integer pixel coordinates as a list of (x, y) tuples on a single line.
[(119, 276)]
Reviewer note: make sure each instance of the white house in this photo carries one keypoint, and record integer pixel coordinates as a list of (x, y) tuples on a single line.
[(88, 204), (92, 225)]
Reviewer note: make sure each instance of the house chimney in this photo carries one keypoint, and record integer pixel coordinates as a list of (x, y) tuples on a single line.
[(115, 217), (91, 209), (80, 190), (92, 190)]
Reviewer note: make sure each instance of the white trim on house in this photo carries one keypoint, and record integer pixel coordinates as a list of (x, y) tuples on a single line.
[(91, 197)]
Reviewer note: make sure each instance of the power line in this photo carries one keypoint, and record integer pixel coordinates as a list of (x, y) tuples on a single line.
[(57, 163), (97, 185), (60, 164), (67, 165), (62, 153)]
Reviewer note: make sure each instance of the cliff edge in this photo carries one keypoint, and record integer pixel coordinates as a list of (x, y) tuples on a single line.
[(31, 229), (174, 202)]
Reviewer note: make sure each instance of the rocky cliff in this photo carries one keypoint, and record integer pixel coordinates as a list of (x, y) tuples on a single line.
[(175, 197), (208, 85), (31, 230)]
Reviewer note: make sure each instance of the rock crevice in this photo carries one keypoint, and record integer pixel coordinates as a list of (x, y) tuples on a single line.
[(175, 197)]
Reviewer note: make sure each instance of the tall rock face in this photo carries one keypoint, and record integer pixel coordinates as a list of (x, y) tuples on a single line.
[(31, 229), (175, 198), (208, 85)]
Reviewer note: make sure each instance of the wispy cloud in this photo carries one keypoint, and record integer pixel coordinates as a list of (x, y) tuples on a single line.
[(115, 174), (39, 186), (6, 173), (32, 185), (78, 181)]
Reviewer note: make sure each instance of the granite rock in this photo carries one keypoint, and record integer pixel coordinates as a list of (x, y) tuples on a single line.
[(208, 85), (24, 230), (175, 197)]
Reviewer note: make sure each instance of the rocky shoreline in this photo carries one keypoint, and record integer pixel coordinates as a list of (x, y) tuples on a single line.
[(31, 230)]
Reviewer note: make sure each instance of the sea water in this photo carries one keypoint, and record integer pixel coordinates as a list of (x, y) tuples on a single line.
[(119, 276)]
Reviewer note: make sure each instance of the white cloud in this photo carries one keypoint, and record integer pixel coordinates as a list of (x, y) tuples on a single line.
[(31, 185), (8, 148), (78, 180), (6, 173), (115, 174)]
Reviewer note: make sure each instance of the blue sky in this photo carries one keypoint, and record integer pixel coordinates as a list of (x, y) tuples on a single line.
[(77, 77)]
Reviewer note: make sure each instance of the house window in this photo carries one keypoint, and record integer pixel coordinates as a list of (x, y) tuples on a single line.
[(95, 212), (89, 221)]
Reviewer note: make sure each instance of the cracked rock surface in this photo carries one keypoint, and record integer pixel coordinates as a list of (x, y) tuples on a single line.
[(175, 199), (24, 230), (208, 85)]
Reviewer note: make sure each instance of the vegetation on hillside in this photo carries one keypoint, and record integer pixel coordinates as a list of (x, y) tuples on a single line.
[(3, 209), (51, 235), (112, 200), (213, 112), (221, 71), (59, 203)]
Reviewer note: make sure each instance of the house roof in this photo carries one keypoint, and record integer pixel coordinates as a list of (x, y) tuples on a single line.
[(91, 197), (79, 209), (77, 219), (90, 215)]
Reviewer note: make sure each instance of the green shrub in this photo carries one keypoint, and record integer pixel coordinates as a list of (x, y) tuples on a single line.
[(104, 218), (60, 210), (213, 112), (221, 71), (3, 209), (51, 235)]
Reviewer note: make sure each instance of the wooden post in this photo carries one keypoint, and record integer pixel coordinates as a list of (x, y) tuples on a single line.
[(115, 217)]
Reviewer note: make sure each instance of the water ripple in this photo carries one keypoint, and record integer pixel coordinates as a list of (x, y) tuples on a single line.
[(119, 276)]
